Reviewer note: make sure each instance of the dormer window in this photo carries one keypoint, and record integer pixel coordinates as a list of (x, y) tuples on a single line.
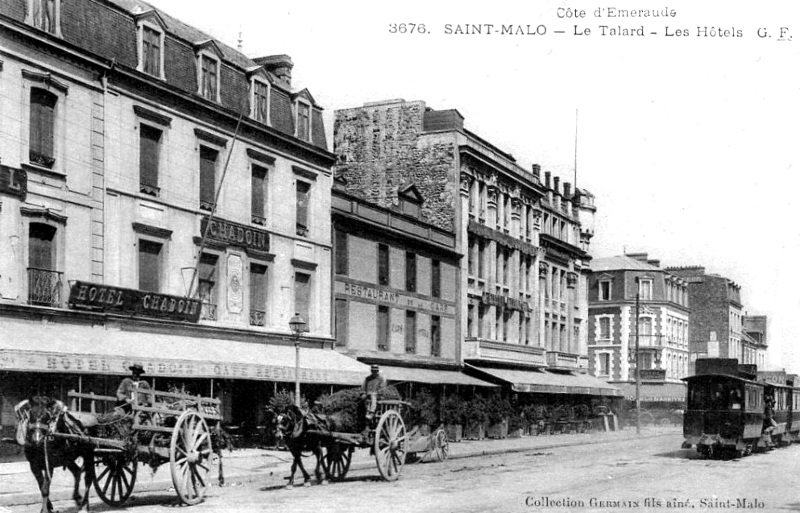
[(260, 100), (151, 45), (45, 15), (208, 77), (303, 121)]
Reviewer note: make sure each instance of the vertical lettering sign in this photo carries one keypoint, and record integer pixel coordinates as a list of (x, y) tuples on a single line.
[(236, 234), (85, 295), (13, 182), (235, 292)]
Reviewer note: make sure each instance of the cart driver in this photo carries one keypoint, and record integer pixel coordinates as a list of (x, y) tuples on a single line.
[(372, 384), (128, 385)]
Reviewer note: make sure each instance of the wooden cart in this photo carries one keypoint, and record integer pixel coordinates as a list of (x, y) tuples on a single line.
[(430, 447), (386, 437), (179, 429)]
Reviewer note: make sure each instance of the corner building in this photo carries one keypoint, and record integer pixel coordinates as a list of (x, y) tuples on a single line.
[(663, 328), (521, 282), (136, 149)]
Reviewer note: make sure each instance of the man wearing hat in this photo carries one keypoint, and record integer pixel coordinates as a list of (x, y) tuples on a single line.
[(128, 385), (372, 384)]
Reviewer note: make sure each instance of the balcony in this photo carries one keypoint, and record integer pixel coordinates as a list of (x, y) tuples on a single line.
[(44, 287), (208, 312), (490, 350), (565, 361), (648, 340), (258, 318), (149, 189)]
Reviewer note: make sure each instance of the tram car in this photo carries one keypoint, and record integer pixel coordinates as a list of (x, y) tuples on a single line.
[(733, 409)]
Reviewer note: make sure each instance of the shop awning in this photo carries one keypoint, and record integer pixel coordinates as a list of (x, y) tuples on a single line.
[(435, 376), (68, 348), (548, 382), (655, 392)]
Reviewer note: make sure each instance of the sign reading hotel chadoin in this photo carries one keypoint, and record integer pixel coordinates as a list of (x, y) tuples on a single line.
[(229, 233), (84, 295)]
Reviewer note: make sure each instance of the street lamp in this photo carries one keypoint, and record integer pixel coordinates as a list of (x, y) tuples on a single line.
[(297, 324)]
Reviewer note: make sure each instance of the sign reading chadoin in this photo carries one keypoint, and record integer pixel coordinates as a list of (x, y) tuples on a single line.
[(84, 295), (236, 234)]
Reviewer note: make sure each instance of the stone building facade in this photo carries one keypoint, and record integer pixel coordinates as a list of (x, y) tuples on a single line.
[(718, 317), (144, 173), (395, 287), (522, 279), (663, 326)]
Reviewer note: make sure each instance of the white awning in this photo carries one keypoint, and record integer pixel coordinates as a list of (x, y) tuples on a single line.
[(73, 348), (435, 376)]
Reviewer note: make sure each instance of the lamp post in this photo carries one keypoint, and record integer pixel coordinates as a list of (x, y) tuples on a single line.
[(636, 362), (297, 324)]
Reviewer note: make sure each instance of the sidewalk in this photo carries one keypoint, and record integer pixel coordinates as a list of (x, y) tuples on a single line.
[(18, 486)]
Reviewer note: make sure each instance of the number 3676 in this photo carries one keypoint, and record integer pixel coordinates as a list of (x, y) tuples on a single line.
[(407, 28)]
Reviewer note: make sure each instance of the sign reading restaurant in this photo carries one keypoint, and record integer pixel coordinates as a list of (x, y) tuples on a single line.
[(94, 296), (229, 233), (371, 293)]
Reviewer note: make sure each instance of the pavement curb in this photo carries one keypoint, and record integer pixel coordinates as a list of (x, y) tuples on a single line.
[(273, 475)]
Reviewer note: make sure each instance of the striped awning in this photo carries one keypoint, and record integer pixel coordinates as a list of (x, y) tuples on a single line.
[(549, 382)]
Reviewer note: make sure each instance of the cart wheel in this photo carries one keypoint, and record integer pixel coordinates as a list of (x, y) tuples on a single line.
[(190, 457), (336, 461), (441, 447), (390, 445), (114, 477)]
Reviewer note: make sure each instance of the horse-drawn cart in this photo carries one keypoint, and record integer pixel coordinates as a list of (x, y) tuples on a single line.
[(386, 438), (428, 447), (162, 427)]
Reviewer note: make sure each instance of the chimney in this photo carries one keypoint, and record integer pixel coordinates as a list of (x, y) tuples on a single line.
[(556, 181), (536, 169), (642, 257), (654, 263), (280, 66), (567, 190), (547, 179)]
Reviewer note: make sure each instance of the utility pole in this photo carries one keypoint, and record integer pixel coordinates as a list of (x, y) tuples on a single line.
[(636, 363)]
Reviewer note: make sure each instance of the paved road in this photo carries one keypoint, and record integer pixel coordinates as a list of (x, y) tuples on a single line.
[(650, 474)]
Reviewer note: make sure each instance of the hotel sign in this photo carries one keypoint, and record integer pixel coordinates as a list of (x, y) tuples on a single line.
[(13, 182), (93, 296), (234, 234), (106, 364)]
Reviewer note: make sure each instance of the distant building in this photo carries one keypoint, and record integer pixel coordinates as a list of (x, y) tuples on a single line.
[(754, 336), (663, 326), (522, 280), (717, 316)]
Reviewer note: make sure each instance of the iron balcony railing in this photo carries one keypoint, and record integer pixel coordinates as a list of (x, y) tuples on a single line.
[(258, 318), (44, 287)]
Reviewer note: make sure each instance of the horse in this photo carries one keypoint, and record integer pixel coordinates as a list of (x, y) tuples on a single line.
[(39, 419), (292, 427)]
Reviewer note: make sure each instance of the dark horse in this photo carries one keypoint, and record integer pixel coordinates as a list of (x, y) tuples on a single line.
[(293, 428), (40, 418)]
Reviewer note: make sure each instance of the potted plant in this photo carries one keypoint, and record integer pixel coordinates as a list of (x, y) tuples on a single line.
[(281, 402), (516, 425), (497, 413), (424, 412), (453, 411), (476, 416)]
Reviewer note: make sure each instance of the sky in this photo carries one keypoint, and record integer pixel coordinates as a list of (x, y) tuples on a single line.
[(687, 141)]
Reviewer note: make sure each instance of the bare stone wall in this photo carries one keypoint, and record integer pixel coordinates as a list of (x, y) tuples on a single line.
[(381, 149)]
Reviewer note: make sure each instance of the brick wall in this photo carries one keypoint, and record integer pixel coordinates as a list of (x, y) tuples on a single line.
[(381, 149)]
